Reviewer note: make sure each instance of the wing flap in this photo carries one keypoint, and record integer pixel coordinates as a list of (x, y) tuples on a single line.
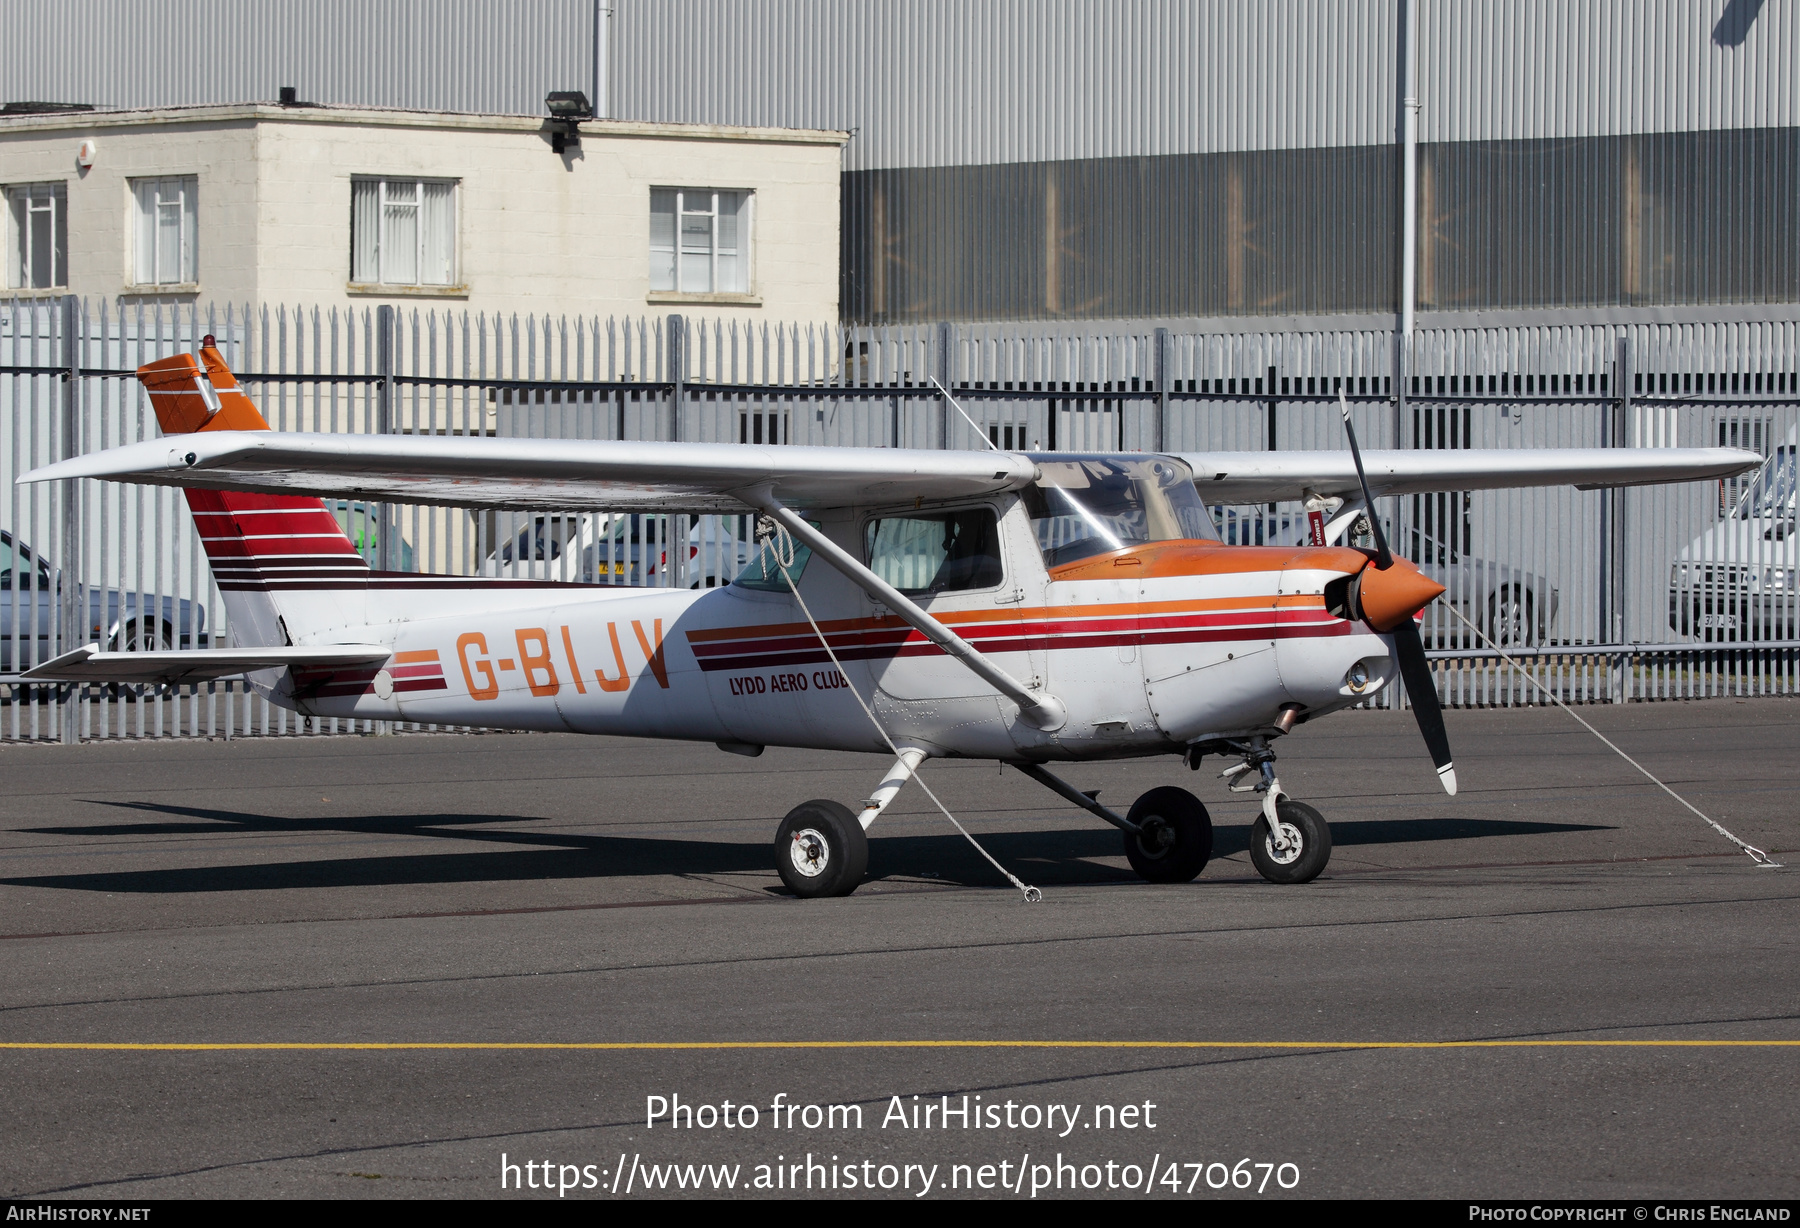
[(89, 664)]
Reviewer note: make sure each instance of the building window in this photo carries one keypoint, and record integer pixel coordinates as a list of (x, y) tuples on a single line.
[(168, 231), (403, 231), (37, 247), (699, 240)]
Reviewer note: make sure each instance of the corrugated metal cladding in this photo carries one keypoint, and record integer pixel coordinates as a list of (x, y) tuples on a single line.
[(960, 82), (1516, 69), (1665, 218), (1679, 217), (956, 82), (1198, 234), (439, 55), (1027, 159), (1042, 159)]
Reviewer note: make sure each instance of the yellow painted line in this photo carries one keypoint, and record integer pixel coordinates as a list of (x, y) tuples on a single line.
[(653, 1046)]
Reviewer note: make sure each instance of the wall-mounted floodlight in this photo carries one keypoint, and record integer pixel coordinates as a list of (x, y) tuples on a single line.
[(569, 104), (567, 109)]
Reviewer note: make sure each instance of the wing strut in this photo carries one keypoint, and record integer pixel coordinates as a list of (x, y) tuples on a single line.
[(1044, 712)]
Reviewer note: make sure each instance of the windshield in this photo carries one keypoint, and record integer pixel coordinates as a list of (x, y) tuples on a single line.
[(1087, 505), (1771, 496)]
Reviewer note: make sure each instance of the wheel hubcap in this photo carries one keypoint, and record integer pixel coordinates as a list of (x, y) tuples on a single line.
[(810, 852), (1289, 852), (1155, 836)]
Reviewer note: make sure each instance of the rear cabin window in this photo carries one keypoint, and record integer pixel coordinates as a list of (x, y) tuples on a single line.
[(940, 553), (762, 572)]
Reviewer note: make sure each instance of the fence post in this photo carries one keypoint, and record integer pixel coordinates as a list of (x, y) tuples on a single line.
[(1162, 391), (677, 373), (384, 425), (70, 589), (946, 339), (1620, 506), (1274, 438)]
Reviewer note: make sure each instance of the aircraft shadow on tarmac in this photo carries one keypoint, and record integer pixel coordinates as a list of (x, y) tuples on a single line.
[(1045, 856)]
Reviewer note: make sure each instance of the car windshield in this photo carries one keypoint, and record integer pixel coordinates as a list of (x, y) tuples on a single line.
[(1771, 496), (544, 541), (633, 529), (1087, 505), (21, 563)]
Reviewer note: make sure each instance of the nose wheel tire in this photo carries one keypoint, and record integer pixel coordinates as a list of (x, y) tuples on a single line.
[(820, 850), (1307, 839), (1174, 839)]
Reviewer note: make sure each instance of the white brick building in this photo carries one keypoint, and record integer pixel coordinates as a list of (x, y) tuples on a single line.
[(357, 206)]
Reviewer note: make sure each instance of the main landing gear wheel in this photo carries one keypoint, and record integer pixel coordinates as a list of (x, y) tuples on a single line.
[(1174, 839), (1308, 844), (820, 850)]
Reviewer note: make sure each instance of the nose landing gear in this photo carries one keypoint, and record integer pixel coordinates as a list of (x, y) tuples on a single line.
[(1300, 852), (1290, 842)]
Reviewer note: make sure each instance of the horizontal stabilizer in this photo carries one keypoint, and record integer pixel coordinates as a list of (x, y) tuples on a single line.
[(89, 664)]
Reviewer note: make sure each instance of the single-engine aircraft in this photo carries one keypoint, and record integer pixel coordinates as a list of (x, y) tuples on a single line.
[(1032, 608)]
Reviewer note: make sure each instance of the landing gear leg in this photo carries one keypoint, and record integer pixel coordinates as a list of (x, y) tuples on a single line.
[(821, 848), (1168, 834), (1290, 842)]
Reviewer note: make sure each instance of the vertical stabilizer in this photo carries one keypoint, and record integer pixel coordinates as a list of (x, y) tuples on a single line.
[(282, 563)]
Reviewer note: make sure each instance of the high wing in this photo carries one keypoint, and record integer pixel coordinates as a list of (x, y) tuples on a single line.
[(1271, 477), (89, 664), (547, 474), (532, 474)]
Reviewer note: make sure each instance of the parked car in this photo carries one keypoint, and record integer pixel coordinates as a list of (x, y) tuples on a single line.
[(31, 613), (621, 549), (363, 527), (551, 548), (1740, 580), (1512, 605)]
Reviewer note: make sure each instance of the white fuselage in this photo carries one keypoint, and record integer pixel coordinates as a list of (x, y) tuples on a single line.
[(1144, 663)]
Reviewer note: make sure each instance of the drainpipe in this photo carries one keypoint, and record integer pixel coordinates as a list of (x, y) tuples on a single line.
[(1407, 134), (602, 78), (1409, 176)]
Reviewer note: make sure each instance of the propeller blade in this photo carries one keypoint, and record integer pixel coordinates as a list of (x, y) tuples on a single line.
[(1384, 558), (1415, 671)]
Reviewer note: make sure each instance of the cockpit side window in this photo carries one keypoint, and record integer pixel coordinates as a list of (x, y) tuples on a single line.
[(1088, 505), (939, 553)]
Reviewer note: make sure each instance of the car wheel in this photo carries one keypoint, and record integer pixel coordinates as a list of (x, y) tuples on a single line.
[(132, 638), (1509, 615)]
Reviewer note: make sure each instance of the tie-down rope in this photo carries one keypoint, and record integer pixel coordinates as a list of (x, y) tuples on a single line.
[(778, 543), (1755, 854)]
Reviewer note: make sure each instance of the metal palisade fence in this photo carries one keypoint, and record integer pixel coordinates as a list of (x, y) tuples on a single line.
[(1652, 593)]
